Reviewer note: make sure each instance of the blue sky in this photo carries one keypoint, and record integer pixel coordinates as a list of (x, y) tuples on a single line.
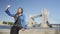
[(31, 7)]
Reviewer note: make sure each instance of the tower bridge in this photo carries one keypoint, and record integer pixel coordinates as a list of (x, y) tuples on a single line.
[(42, 28)]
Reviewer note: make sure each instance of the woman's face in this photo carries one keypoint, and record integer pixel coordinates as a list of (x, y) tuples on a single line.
[(19, 11)]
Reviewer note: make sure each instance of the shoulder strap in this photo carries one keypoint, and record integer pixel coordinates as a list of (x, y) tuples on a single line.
[(18, 21)]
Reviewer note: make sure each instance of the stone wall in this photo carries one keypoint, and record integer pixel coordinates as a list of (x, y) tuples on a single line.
[(33, 31)]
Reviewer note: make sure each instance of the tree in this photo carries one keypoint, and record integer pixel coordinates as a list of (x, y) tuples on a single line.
[(4, 22), (10, 23)]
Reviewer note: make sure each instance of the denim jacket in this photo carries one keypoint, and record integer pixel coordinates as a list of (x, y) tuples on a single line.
[(22, 17)]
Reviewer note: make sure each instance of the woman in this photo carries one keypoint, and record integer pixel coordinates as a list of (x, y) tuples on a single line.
[(19, 20)]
